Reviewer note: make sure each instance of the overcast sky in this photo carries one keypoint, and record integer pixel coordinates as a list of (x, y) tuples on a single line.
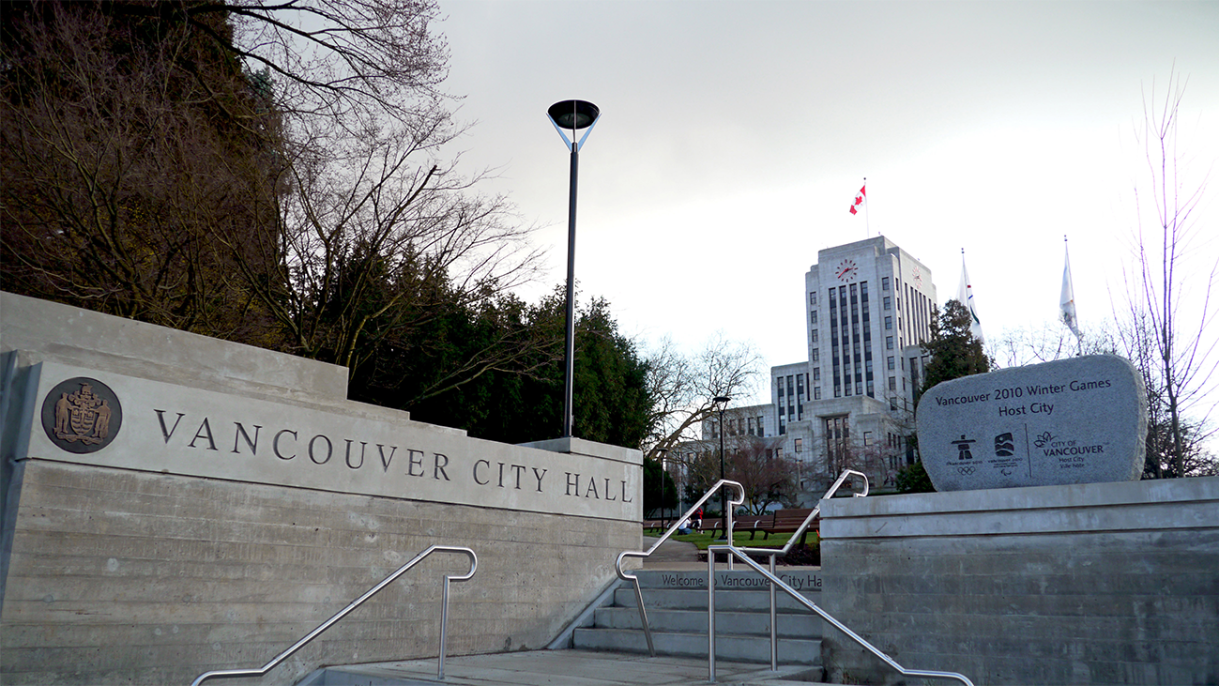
[(734, 136)]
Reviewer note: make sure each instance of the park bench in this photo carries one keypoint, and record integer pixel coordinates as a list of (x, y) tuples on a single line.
[(781, 522)]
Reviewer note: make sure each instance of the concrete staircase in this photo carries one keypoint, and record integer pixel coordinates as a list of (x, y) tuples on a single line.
[(676, 603)]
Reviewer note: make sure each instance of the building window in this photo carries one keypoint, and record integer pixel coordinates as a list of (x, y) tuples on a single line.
[(760, 432), (891, 365), (817, 393), (888, 342), (837, 442), (867, 438), (888, 303), (893, 383), (813, 316), (884, 283), (816, 354), (814, 335), (816, 373), (812, 298), (799, 445), (888, 323)]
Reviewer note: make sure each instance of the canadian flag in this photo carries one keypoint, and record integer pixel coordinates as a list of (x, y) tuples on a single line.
[(863, 194)]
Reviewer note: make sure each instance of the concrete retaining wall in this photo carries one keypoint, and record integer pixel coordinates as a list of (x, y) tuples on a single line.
[(170, 552), (1106, 583)]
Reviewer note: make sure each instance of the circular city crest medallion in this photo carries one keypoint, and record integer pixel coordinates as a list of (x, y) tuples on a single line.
[(81, 415)]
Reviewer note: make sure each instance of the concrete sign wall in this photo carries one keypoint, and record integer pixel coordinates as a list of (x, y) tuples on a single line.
[(174, 504), (1079, 420)]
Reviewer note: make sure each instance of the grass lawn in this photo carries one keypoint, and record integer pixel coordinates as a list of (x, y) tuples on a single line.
[(741, 540)]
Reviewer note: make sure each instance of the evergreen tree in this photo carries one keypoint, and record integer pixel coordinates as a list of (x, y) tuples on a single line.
[(659, 491), (913, 479), (954, 351)]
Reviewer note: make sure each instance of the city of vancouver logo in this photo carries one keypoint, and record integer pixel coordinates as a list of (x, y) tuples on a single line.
[(81, 415)]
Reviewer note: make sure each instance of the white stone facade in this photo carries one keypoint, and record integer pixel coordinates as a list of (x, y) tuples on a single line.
[(868, 310), (869, 307)]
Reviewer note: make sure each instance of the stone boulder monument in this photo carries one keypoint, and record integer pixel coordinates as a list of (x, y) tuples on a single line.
[(1073, 421)]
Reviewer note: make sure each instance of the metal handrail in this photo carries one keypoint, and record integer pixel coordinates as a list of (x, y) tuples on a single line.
[(643, 613), (776, 582), (444, 615), (775, 552)]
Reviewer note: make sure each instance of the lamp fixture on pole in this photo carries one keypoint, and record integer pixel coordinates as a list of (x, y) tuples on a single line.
[(574, 115), (722, 401)]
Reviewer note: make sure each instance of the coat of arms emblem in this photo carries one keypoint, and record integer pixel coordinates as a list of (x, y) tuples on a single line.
[(81, 415)]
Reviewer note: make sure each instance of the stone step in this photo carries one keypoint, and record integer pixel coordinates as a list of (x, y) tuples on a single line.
[(549, 667), (726, 601), (788, 624), (688, 644)]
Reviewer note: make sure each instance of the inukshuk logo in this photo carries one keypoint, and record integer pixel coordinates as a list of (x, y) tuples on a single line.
[(81, 415)]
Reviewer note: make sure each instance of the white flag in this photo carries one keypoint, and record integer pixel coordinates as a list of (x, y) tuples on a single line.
[(965, 295), (1067, 299)]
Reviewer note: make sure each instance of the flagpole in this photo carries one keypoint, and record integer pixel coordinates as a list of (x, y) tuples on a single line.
[(866, 219)]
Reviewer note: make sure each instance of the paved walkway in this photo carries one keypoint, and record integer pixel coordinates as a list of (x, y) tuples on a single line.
[(672, 556), (567, 667)]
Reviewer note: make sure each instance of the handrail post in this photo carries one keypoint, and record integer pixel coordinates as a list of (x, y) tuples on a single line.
[(352, 606), (643, 614), (643, 617), (444, 623), (777, 582), (710, 616), (774, 634)]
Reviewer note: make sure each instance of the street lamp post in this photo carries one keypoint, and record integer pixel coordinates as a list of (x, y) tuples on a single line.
[(574, 115), (722, 401)]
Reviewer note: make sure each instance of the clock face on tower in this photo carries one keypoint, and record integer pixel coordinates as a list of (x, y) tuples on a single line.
[(846, 270)]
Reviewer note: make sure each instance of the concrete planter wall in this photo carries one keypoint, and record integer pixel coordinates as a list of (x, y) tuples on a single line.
[(1105, 583)]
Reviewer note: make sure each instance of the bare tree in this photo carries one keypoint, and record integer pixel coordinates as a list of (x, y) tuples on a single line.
[(1172, 342), (767, 476), (149, 171), (1032, 345), (370, 244), (119, 168), (684, 388), (757, 463), (350, 60)]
